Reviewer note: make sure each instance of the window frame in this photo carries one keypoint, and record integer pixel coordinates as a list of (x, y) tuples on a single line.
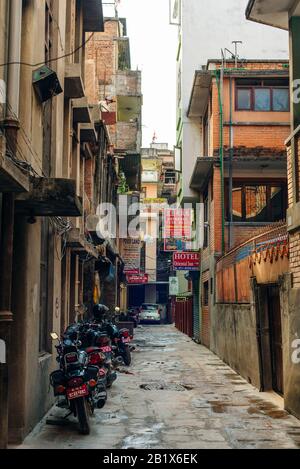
[(243, 184), (252, 89)]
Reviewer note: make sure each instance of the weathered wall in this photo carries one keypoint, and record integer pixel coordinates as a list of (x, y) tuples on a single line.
[(233, 339), (290, 300)]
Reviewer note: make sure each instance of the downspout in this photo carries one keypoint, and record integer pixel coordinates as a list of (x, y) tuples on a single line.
[(11, 125), (219, 78), (230, 192)]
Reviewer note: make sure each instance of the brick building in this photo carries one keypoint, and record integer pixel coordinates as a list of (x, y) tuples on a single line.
[(287, 17), (240, 109)]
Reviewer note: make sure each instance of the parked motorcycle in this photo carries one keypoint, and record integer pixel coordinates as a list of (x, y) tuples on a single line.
[(98, 347), (76, 384), (120, 338)]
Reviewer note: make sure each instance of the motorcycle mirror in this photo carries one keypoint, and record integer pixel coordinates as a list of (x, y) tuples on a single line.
[(117, 310), (54, 336)]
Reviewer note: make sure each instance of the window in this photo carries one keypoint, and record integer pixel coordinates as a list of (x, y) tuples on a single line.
[(48, 30), (262, 99), (244, 99), (44, 320), (206, 221), (263, 95), (258, 203), (205, 293)]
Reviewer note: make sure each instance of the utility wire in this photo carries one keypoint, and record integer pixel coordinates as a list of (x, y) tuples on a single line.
[(70, 54)]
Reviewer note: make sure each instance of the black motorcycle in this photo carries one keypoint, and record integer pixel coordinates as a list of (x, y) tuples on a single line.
[(98, 347), (76, 383)]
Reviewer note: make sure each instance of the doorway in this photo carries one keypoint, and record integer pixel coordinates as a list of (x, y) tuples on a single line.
[(269, 327)]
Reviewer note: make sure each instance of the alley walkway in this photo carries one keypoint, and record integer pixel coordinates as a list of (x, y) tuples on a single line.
[(180, 396)]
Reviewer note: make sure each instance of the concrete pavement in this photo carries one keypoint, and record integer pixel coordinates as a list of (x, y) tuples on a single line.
[(179, 396)]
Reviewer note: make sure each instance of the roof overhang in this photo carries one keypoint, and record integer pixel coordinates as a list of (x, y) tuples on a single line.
[(202, 171), (93, 20), (264, 165), (274, 13), (200, 94)]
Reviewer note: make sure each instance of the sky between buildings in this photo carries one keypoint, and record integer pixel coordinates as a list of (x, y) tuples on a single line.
[(153, 50)]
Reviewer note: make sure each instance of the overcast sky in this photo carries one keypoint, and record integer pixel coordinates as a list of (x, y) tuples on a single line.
[(153, 50)]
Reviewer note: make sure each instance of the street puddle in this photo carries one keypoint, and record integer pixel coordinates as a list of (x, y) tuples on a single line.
[(166, 387), (109, 417), (266, 408), (145, 438)]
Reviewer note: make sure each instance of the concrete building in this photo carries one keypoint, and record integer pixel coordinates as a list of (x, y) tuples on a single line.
[(202, 36), (286, 16), (52, 146), (158, 188), (117, 89)]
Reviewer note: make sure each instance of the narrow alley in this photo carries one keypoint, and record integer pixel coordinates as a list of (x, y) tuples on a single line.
[(177, 395)]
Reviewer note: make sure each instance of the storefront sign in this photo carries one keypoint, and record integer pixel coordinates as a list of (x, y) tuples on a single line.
[(177, 229), (141, 279), (131, 255), (186, 261), (173, 286)]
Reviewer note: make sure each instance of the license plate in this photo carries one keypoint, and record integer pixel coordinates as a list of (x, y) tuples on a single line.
[(125, 340), (106, 349), (77, 392)]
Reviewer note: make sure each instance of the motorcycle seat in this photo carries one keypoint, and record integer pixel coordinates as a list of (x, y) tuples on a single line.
[(93, 349)]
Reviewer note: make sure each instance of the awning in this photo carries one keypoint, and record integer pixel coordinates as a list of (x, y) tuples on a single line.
[(202, 172), (200, 94), (272, 12), (50, 197), (93, 16)]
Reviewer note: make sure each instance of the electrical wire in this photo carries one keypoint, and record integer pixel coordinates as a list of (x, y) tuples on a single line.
[(70, 54)]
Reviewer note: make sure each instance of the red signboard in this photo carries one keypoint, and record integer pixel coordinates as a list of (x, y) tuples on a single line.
[(141, 279), (177, 229), (186, 261)]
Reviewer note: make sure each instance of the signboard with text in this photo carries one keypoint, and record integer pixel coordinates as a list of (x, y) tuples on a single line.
[(177, 229), (186, 261), (131, 255), (135, 279)]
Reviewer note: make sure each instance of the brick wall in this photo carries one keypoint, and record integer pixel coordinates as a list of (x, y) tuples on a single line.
[(126, 136), (294, 236)]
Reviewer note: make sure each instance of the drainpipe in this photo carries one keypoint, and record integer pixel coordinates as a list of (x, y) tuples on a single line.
[(219, 78), (6, 247), (231, 241)]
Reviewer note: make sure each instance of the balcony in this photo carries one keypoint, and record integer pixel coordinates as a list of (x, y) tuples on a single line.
[(50, 197), (12, 178), (79, 244), (81, 111), (74, 87)]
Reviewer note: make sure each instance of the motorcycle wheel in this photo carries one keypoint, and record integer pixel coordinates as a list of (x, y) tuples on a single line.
[(82, 412), (126, 355)]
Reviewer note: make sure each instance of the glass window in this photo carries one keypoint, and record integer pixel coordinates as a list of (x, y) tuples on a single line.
[(256, 203), (237, 204), (262, 99), (244, 99), (276, 204), (281, 99)]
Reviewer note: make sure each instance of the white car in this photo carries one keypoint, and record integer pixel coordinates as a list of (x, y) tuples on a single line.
[(150, 313)]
